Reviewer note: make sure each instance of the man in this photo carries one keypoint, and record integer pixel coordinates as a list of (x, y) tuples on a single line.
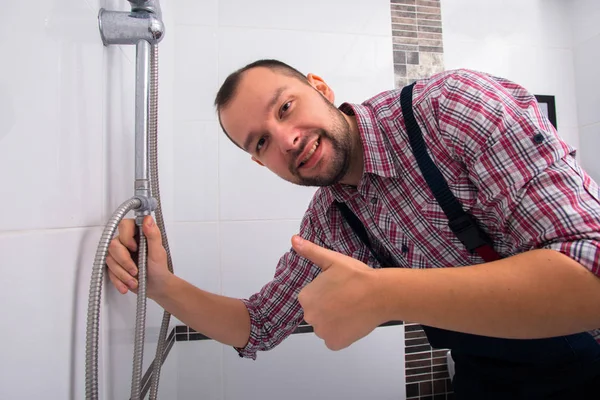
[(503, 162)]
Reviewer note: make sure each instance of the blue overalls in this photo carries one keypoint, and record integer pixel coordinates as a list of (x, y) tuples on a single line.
[(487, 368), (565, 367)]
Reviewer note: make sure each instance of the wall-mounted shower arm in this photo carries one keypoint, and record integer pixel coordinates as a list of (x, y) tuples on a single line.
[(144, 22)]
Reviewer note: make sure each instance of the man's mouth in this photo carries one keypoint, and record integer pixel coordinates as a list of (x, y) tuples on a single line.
[(310, 153)]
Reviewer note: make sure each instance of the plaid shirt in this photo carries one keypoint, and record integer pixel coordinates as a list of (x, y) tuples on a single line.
[(503, 161)]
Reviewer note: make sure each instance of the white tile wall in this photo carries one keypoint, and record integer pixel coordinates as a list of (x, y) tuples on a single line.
[(250, 252), (585, 15), (51, 129), (303, 368), (337, 16), (527, 42), (522, 23), (586, 61), (44, 290), (300, 368), (586, 41), (66, 163), (590, 143)]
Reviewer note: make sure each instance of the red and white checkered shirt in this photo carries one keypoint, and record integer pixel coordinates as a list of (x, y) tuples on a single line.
[(503, 161)]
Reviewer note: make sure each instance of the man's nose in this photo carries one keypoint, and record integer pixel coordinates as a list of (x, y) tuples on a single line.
[(289, 140)]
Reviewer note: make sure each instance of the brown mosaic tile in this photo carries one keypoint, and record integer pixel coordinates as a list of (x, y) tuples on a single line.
[(419, 363), (419, 378), (405, 34), (416, 342), (432, 29), (440, 368), (405, 41), (440, 375), (430, 43), (403, 47), (422, 16), (439, 361), (400, 58), (407, 21), (431, 49), (404, 27), (412, 58), (417, 349), (439, 386), (428, 10), (418, 356), (418, 371), (425, 388), (403, 8), (429, 22), (430, 35), (416, 334), (400, 70), (403, 14), (412, 390), (439, 353), (428, 3)]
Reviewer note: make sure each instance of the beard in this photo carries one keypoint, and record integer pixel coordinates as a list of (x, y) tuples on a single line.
[(338, 164)]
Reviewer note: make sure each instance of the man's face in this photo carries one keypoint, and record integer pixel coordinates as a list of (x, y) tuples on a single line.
[(290, 126)]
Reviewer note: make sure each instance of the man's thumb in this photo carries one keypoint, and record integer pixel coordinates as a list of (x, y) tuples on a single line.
[(322, 257)]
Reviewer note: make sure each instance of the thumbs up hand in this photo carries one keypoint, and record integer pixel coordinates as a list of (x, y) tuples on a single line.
[(342, 302)]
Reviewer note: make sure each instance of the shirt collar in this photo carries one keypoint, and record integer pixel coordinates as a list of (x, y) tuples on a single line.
[(376, 154)]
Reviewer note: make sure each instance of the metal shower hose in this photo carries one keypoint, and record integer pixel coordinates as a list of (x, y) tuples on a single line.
[(93, 315)]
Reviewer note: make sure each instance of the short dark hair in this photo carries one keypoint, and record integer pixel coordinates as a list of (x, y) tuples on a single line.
[(231, 83)]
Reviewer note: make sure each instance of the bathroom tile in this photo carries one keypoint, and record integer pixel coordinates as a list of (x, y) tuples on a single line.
[(356, 67), (192, 12), (588, 150), (367, 17), (195, 251), (512, 21), (587, 81), (584, 19), (200, 369), (496, 56), (45, 335), (196, 170), (50, 117), (375, 361), (195, 81), (250, 252)]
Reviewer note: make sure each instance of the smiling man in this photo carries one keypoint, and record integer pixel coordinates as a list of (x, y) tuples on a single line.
[(386, 237)]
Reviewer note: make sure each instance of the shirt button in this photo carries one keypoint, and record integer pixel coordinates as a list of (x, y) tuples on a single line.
[(404, 249), (538, 138), (374, 200)]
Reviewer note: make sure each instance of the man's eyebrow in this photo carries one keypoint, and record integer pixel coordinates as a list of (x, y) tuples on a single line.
[(270, 105)]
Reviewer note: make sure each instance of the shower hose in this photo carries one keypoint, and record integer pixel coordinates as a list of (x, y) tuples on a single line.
[(93, 315)]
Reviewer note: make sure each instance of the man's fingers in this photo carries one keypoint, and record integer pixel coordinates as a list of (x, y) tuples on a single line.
[(127, 230), (322, 257)]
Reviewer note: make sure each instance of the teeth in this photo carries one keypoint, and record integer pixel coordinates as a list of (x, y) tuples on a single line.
[(311, 152)]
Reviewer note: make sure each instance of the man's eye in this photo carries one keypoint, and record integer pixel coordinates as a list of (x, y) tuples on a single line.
[(284, 108), (260, 143)]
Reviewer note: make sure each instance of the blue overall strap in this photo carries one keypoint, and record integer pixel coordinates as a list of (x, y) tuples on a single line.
[(463, 225)]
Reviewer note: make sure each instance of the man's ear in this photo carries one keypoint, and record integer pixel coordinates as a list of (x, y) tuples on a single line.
[(258, 162), (318, 83)]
